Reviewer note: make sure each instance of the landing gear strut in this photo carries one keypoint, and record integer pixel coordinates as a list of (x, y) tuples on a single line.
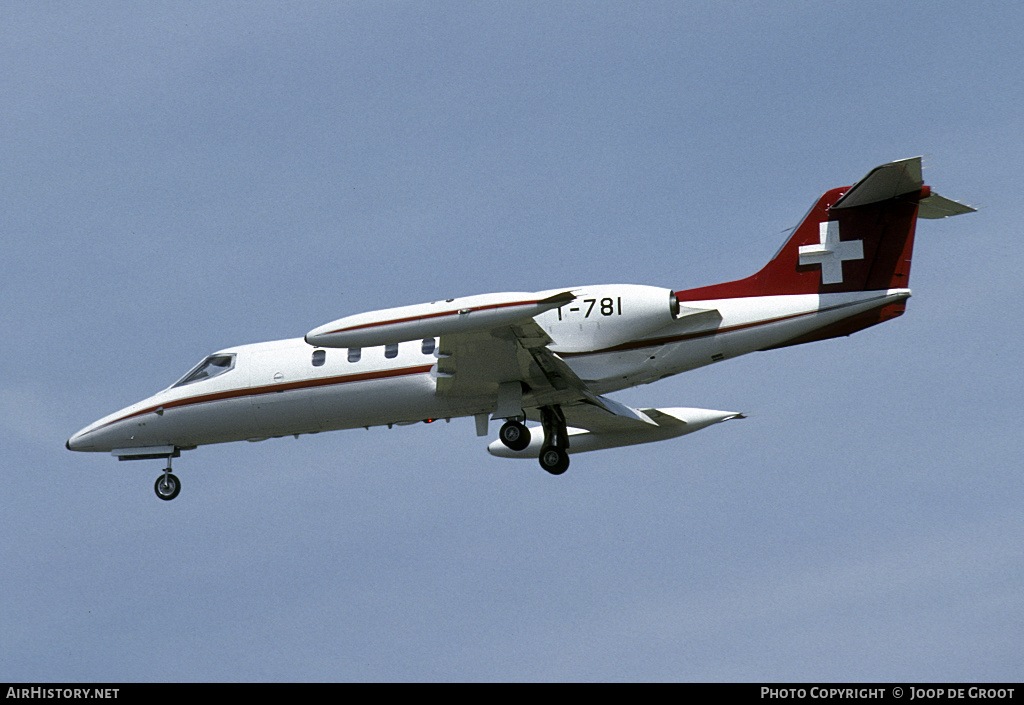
[(554, 453), (167, 485)]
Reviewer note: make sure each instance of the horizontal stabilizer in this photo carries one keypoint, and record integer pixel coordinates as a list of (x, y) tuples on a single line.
[(884, 183), (935, 206)]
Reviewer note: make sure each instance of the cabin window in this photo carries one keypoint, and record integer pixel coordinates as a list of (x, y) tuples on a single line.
[(428, 346), (319, 358), (391, 350), (354, 354), (213, 366)]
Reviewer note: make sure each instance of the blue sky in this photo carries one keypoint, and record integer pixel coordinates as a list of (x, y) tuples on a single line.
[(181, 177)]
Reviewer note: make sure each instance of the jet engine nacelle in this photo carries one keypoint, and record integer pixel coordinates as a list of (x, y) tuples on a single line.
[(602, 317)]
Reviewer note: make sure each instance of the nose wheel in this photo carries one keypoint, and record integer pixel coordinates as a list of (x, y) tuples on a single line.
[(167, 485)]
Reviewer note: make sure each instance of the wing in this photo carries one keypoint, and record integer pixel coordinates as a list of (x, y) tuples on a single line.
[(607, 430), (513, 364), (510, 363)]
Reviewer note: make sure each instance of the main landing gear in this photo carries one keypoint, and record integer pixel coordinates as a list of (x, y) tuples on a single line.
[(554, 452)]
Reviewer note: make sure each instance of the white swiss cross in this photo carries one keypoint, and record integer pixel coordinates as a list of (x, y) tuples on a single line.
[(831, 253)]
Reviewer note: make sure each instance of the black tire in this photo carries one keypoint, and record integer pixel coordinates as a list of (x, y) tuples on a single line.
[(514, 435), (167, 486), (554, 459)]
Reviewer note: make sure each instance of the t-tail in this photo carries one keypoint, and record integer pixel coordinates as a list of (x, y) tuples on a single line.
[(855, 238)]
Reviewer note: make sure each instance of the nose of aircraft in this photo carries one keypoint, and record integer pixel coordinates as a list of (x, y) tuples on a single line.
[(95, 437), (78, 442)]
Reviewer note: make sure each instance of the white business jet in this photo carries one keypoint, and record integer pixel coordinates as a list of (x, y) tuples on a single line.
[(550, 356)]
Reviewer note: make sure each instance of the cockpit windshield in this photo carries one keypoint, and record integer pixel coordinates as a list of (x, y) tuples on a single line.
[(212, 366)]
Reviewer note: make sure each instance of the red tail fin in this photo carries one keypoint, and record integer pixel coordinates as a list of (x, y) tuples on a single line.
[(858, 238)]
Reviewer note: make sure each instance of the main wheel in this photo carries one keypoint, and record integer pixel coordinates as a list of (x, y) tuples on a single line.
[(514, 435), (554, 459), (167, 486)]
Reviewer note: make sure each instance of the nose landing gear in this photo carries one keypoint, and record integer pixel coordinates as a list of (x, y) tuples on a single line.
[(167, 485)]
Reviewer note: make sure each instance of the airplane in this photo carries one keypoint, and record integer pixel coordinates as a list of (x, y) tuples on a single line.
[(551, 356)]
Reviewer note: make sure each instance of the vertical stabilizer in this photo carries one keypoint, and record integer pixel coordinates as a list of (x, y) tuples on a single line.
[(857, 238)]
